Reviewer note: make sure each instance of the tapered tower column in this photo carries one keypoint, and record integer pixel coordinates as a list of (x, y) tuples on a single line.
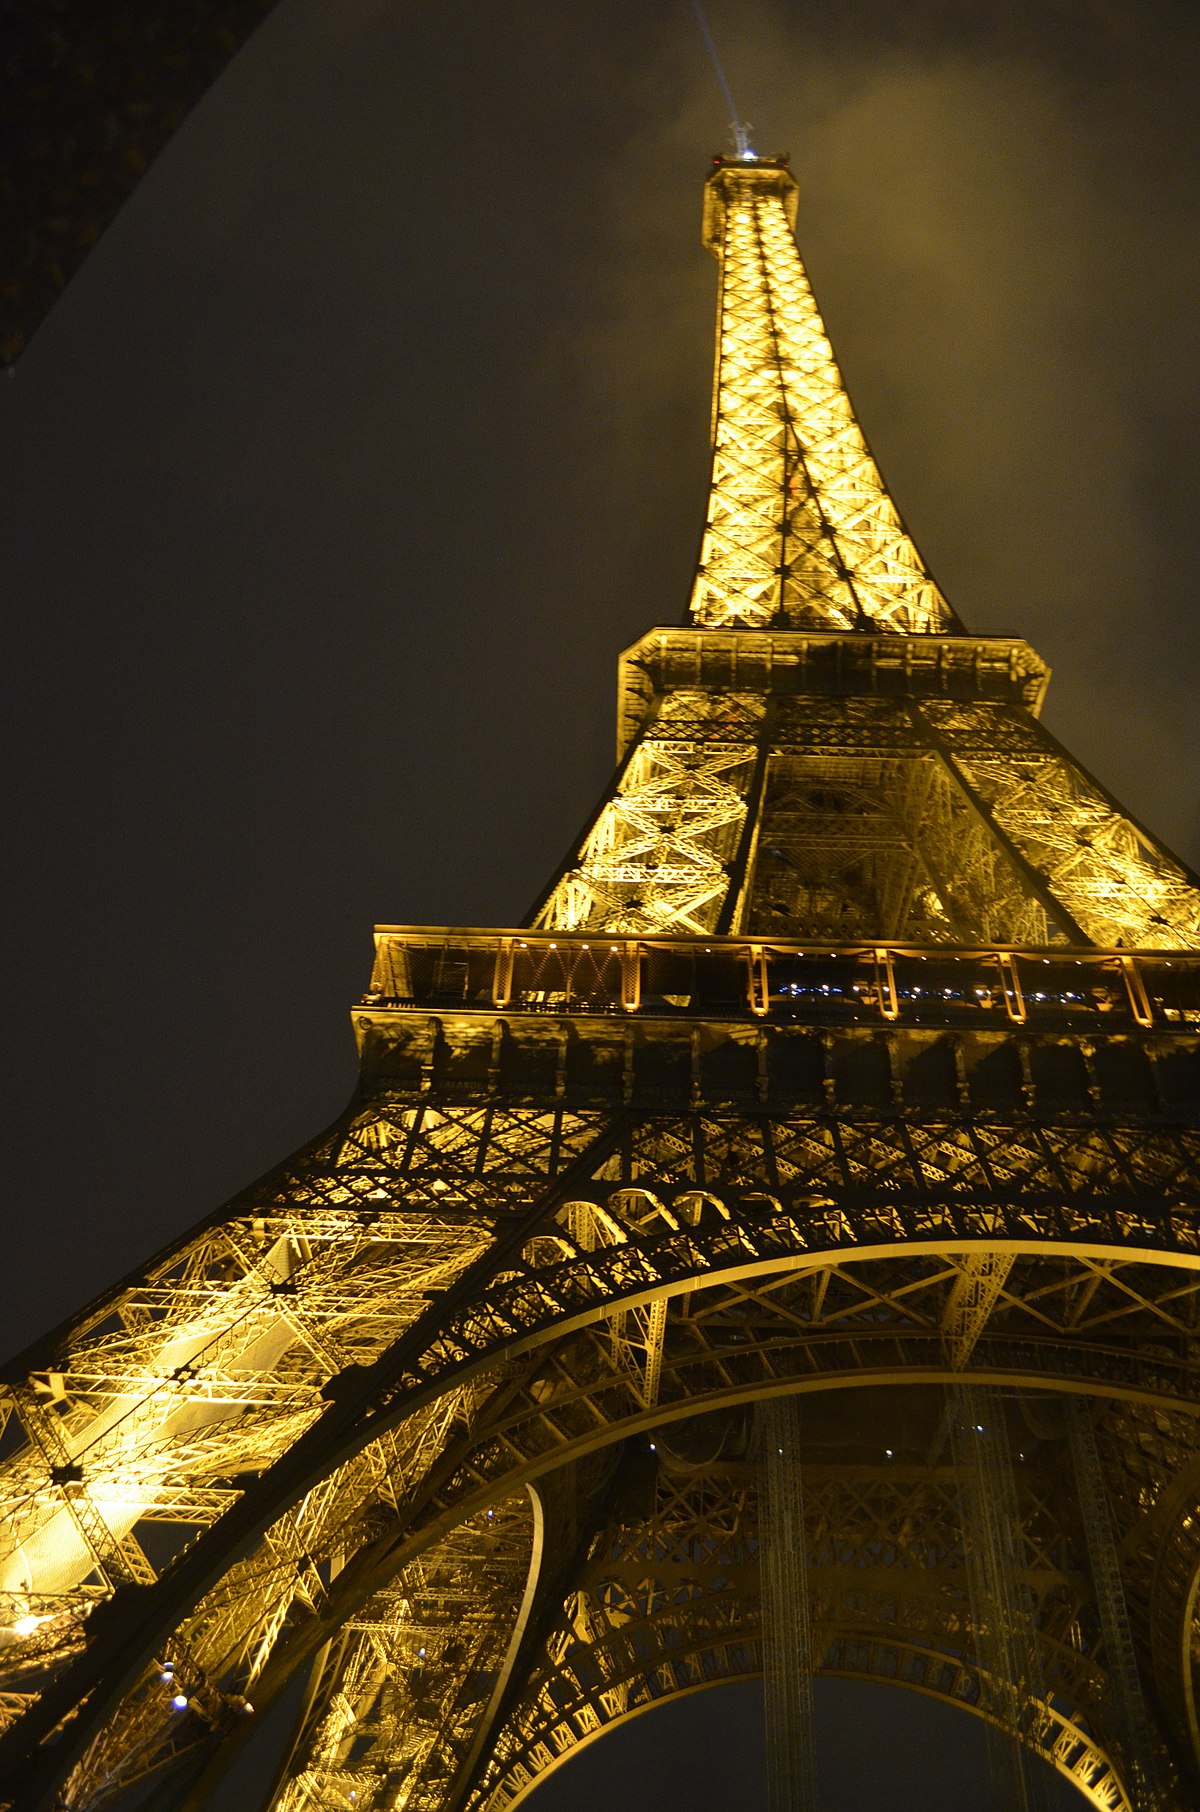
[(801, 533)]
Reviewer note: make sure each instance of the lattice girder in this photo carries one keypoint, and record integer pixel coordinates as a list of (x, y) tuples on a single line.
[(411, 1673), (719, 1193), (935, 820), (671, 1590), (800, 528), (681, 1239)]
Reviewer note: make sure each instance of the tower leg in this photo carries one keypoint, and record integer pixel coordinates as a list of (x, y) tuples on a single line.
[(786, 1612), (1005, 1633), (1131, 1723)]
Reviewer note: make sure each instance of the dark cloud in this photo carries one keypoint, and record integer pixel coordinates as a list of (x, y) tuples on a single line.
[(376, 425)]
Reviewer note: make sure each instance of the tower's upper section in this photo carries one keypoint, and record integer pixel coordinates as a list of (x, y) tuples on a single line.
[(801, 533), (822, 757)]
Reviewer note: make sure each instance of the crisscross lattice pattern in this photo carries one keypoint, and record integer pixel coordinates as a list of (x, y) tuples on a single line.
[(801, 531)]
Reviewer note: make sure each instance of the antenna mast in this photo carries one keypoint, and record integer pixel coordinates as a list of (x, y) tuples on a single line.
[(740, 128)]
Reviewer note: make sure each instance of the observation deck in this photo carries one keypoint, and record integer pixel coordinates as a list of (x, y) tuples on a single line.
[(520, 1014)]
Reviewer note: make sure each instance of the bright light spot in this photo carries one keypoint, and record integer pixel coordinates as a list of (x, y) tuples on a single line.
[(25, 1626), (420, 1654), (889, 1453), (180, 1701), (979, 1428)]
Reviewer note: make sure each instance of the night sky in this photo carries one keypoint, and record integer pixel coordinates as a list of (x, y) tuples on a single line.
[(376, 426)]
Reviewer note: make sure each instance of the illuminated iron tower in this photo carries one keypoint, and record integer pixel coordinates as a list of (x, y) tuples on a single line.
[(781, 1256)]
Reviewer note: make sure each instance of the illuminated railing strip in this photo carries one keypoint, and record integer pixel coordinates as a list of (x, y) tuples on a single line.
[(517, 972)]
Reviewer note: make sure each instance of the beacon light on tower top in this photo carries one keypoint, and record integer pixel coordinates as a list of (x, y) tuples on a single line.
[(741, 139)]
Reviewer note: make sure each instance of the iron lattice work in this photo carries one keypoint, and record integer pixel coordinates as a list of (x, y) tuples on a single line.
[(853, 1054), (785, 1591), (801, 532)]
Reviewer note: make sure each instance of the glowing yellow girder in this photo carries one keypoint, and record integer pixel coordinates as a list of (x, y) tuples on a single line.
[(1118, 885), (800, 528), (657, 857), (225, 1376)]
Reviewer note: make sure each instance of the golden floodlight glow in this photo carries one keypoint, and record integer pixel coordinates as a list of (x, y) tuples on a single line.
[(740, 810), (801, 532)]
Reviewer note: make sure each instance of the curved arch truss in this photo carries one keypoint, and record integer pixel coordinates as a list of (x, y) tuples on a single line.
[(652, 1276), (667, 1602)]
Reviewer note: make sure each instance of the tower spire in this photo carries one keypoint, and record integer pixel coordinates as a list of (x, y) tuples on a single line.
[(801, 532), (824, 752)]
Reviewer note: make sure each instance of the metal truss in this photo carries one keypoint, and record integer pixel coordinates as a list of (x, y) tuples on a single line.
[(800, 529), (1112, 878), (405, 1699), (853, 1054), (941, 822), (740, 807), (667, 1603), (753, 1285), (396, 1699), (1003, 1610), (1131, 1722), (658, 856), (786, 1600)]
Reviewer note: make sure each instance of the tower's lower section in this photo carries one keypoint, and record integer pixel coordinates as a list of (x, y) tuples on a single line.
[(451, 1412)]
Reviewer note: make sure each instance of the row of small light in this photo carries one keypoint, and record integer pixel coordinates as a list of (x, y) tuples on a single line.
[(179, 1699)]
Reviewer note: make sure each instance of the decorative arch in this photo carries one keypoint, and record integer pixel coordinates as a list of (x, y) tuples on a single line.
[(1066, 1748)]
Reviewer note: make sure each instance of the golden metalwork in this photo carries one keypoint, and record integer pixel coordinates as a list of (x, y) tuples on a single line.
[(671, 1604), (786, 1596), (801, 532), (854, 1052)]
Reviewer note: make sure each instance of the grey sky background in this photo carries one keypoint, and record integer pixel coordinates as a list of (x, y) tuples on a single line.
[(377, 424)]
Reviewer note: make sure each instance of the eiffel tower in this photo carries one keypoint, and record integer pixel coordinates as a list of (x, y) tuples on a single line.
[(779, 1257)]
